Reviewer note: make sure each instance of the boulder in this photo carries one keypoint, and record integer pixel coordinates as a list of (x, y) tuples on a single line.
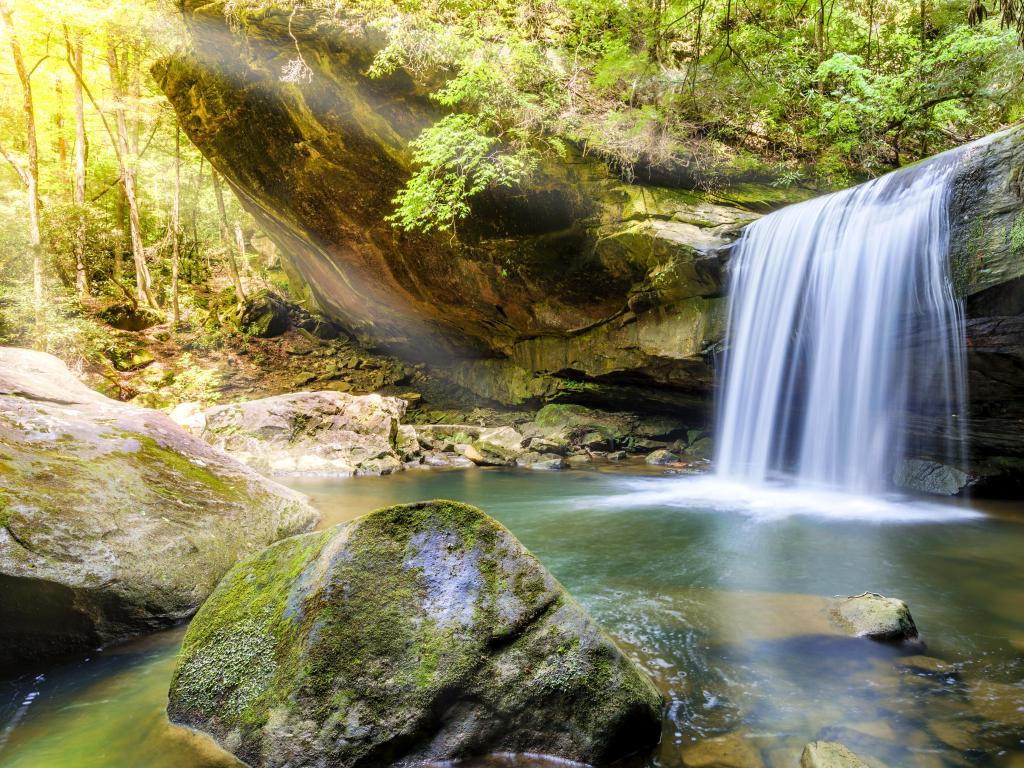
[(113, 520), (127, 317), (322, 433), (497, 447), (263, 314), (417, 634), (829, 754), (874, 616), (930, 477)]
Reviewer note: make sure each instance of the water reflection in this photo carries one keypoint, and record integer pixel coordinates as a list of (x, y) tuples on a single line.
[(725, 610)]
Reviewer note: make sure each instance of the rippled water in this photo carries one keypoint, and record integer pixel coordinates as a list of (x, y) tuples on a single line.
[(718, 592)]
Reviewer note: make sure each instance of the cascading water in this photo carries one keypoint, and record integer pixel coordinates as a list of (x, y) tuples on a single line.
[(842, 321)]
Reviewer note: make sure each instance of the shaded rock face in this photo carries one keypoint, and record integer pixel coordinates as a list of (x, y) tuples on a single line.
[(423, 632), (113, 520), (578, 275), (311, 433)]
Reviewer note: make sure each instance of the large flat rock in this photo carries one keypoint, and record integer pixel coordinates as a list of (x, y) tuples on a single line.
[(113, 520)]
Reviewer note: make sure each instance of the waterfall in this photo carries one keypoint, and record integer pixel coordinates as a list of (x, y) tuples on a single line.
[(842, 321)]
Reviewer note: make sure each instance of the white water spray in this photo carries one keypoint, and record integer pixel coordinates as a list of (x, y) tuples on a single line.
[(842, 320)]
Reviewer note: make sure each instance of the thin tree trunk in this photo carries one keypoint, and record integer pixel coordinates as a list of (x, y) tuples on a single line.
[(819, 31), (81, 157), (30, 173), (144, 287), (176, 227), (229, 250), (121, 216), (871, 30)]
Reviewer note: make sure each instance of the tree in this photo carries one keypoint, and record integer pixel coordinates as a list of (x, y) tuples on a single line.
[(29, 171), (225, 238), (176, 229), (76, 53), (125, 156)]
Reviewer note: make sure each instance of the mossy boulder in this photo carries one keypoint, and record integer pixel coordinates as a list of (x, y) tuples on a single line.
[(418, 633), (875, 616), (113, 520), (128, 317)]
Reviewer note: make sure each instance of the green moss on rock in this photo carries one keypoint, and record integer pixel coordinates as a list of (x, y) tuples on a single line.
[(419, 632)]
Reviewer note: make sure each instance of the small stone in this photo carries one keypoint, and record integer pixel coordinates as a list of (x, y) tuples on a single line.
[(875, 616), (829, 754), (617, 456), (595, 441), (701, 449), (412, 398), (661, 457), (541, 461), (549, 444)]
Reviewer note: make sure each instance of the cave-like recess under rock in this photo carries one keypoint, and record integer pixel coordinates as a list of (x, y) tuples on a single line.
[(577, 287)]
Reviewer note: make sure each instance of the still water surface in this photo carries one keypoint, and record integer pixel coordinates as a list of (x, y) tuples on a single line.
[(719, 595)]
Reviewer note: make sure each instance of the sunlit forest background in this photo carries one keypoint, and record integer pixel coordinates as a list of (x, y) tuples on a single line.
[(108, 214)]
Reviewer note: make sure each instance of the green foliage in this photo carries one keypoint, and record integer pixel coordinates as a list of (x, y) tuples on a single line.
[(721, 87), (456, 159)]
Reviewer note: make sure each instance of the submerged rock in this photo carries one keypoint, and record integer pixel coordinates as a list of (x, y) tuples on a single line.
[(874, 616), (330, 433), (829, 754), (422, 632), (661, 457), (113, 520), (729, 751)]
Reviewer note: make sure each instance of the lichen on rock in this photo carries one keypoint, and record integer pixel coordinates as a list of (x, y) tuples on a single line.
[(419, 632)]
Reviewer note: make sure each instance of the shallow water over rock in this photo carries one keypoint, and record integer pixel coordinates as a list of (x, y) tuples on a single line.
[(727, 610)]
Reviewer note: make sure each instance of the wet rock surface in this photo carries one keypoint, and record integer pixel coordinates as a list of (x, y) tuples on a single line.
[(829, 754), (113, 520), (418, 633), (886, 619)]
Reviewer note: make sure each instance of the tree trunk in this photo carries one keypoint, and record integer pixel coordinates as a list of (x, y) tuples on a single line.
[(144, 286), (81, 157), (819, 31), (176, 227), (30, 173), (229, 251)]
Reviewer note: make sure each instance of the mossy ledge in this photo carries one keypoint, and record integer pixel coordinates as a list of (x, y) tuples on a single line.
[(419, 632)]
